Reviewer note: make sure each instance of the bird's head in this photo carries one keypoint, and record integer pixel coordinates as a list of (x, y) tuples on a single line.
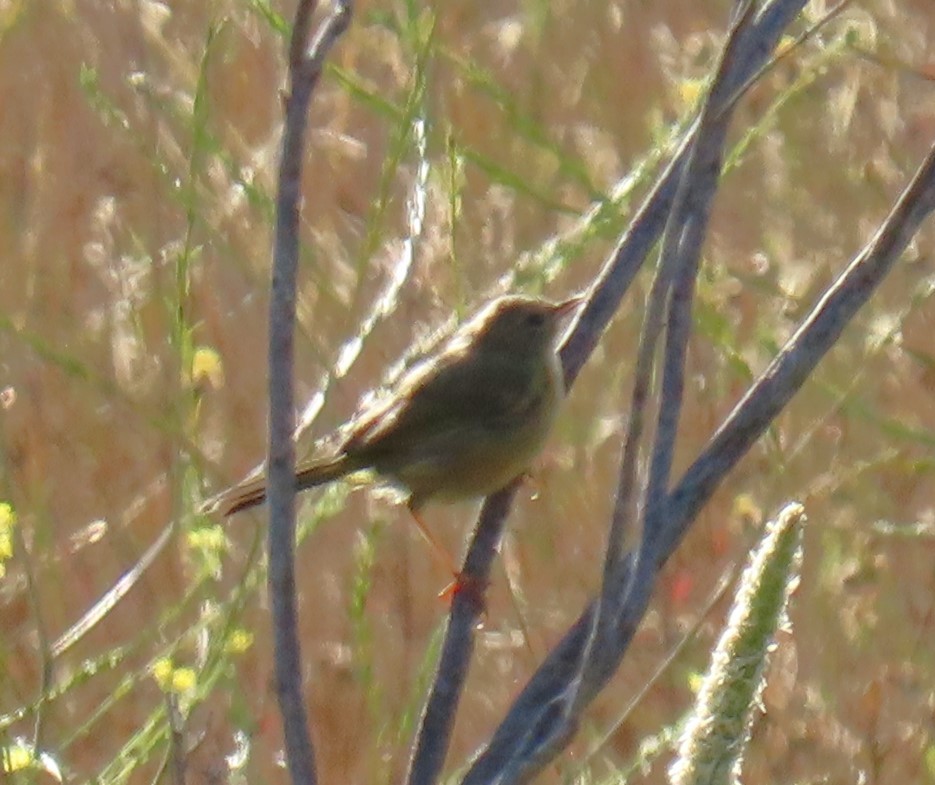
[(523, 326)]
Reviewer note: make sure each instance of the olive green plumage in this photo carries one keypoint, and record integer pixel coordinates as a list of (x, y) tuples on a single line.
[(460, 424)]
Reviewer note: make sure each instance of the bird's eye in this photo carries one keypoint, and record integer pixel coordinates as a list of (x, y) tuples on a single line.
[(535, 319)]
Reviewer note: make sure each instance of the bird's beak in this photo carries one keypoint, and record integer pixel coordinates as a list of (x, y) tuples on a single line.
[(569, 305)]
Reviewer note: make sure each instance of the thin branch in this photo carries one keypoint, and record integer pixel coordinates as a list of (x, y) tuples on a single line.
[(671, 296), (683, 240), (437, 720), (46, 651), (787, 51), (177, 757), (727, 582), (748, 421), (536, 726), (621, 268), (428, 755), (787, 373), (305, 64)]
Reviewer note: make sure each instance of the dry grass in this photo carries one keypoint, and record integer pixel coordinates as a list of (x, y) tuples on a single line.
[(137, 150)]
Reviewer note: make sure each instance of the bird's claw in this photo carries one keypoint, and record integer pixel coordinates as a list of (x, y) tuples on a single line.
[(472, 588)]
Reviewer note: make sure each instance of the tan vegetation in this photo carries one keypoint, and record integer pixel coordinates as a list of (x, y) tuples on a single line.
[(138, 144)]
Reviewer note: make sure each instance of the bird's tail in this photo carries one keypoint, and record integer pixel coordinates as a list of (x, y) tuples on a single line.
[(308, 475)]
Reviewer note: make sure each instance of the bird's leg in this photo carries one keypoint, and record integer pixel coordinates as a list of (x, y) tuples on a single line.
[(461, 581), (470, 587), (438, 549)]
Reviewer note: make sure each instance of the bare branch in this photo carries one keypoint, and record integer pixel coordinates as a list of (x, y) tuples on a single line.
[(749, 420), (791, 367), (545, 715), (305, 64), (437, 720), (671, 296), (518, 732)]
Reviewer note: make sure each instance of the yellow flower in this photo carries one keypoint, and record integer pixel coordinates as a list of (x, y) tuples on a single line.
[(239, 641), (207, 368)]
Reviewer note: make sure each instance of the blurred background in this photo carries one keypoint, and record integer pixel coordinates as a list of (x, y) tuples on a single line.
[(454, 151)]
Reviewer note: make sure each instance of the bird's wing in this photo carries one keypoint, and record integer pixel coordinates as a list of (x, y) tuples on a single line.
[(442, 396)]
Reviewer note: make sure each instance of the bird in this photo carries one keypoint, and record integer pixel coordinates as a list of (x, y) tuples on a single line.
[(461, 423)]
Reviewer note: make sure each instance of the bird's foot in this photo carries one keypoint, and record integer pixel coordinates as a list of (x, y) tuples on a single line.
[(472, 588)]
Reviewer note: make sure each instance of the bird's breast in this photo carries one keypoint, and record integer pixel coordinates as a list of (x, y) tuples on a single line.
[(488, 455)]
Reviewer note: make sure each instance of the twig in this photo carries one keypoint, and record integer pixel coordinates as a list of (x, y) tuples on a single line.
[(177, 756), (544, 717), (305, 64), (46, 653), (787, 51), (671, 298), (791, 367), (605, 296), (727, 581), (537, 726), (428, 755), (748, 421), (683, 240)]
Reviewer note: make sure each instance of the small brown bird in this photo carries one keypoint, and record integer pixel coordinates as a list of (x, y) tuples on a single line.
[(461, 423)]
